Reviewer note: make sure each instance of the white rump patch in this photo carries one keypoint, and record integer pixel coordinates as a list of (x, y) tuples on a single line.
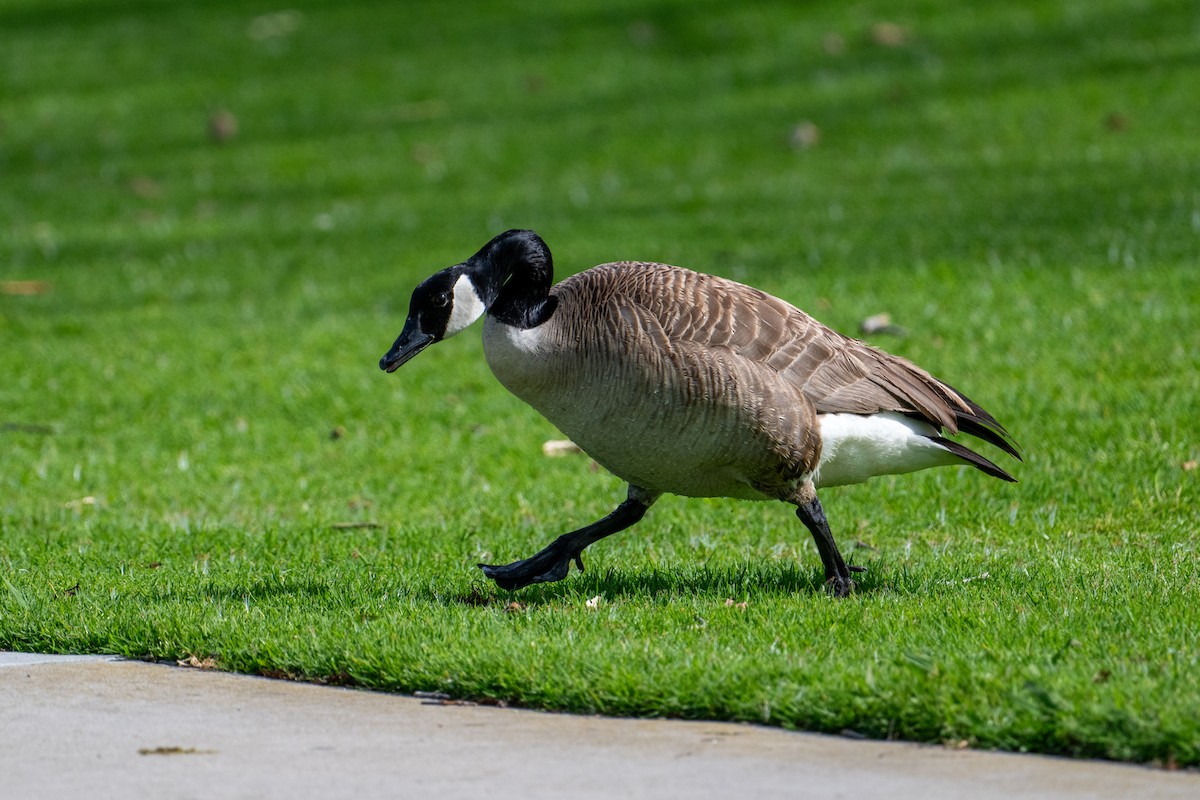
[(465, 308), (856, 447)]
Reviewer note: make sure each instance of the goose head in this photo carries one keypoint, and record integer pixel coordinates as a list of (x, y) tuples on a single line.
[(442, 305), (510, 276)]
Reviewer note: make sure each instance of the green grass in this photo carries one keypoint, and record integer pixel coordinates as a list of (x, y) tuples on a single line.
[(1017, 184)]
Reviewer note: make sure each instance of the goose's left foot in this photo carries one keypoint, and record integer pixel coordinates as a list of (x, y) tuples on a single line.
[(553, 562)]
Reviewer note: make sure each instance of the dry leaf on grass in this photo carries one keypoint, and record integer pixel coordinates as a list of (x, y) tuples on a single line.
[(82, 502), (145, 187), (880, 323), (24, 288), (889, 34), (195, 663), (222, 126), (805, 135), (560, 447)]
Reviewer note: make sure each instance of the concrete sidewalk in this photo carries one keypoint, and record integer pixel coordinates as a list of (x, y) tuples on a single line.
[(97, 728)]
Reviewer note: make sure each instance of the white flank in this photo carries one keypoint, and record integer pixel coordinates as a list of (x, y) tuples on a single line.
[(856, 447), (466, 307)]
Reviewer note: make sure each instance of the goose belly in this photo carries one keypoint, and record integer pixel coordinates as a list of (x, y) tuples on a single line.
[(679, 454), (632, 428), (857, 447)]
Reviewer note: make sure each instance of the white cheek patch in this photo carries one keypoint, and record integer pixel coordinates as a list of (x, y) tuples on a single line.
[(465, 308)]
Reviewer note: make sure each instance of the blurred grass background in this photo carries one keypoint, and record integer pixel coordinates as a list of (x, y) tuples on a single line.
[(211, 217)]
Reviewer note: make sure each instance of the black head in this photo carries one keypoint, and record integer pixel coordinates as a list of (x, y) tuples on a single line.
[(510, 276), (441, 306)]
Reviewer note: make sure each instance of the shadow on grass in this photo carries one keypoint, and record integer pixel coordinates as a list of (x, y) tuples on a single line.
[(735, 582), (256, 592)]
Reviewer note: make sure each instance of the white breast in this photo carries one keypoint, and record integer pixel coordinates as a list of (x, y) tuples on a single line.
[(856, 447), (519, 358)]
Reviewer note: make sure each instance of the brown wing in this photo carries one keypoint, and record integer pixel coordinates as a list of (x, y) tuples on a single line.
[(836, 373)]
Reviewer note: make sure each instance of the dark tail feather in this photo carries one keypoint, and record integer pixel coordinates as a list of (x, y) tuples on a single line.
[(974, 425), (979, 423), (973, 458), (992, 433)]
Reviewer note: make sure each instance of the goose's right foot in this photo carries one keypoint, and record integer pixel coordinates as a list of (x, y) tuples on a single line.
[(553, 562), (837, 572), (550, 565)]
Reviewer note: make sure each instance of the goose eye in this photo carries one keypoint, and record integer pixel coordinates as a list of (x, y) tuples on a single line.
[(441, 300)]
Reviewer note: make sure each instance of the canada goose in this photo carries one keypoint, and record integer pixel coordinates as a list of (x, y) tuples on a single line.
[(691, 384)]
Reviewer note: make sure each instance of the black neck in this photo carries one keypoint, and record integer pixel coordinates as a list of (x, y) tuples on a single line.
[(516, 271)]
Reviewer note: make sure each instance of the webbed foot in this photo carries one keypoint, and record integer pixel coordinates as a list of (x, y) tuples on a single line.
[(545, 567), (554, 561), (841, 585), (837, 571)]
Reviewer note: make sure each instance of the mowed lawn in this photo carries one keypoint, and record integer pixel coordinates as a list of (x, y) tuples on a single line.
[(212, 215)]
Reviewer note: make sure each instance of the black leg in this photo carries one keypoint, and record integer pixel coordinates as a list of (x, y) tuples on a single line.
[(553, 562), (837, 574)]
